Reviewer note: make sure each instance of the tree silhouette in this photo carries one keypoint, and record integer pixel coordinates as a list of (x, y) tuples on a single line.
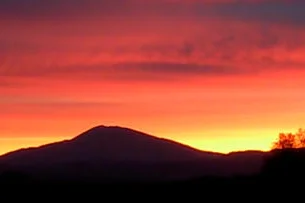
[(290, 140), (286, 162)]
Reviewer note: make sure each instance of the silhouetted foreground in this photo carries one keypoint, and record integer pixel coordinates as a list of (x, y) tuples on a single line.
[(94, 161), (268, 184), (210, 189), (286, 165)]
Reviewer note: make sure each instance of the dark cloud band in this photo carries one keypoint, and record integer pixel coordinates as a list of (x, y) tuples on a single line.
[(281, 11)]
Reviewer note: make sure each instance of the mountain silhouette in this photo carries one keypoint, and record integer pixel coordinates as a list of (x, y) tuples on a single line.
[(108, 144), (112, 152)]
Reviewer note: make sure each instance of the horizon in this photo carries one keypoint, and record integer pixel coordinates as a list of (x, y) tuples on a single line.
[(124, 127), (219, 76)]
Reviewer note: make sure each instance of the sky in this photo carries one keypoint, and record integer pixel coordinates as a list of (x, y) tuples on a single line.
[(218, 75)]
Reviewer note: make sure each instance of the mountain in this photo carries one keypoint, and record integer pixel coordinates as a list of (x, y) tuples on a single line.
[(116, 153), (107, 144)]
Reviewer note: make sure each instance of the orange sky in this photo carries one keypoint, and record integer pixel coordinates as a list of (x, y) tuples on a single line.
[(220, 76)]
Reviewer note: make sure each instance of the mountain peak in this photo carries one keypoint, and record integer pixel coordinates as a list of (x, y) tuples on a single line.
[(101, 128), (104, 133)]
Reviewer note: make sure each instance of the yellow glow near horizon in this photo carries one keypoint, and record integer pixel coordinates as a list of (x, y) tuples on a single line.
[(255, 140)]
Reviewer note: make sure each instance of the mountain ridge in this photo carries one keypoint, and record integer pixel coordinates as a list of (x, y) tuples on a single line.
[(121, 152)]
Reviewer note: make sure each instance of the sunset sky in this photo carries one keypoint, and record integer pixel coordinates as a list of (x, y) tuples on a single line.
[(219, 75)]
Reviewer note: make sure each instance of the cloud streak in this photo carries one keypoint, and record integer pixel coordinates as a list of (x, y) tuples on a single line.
[(128, 71)]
